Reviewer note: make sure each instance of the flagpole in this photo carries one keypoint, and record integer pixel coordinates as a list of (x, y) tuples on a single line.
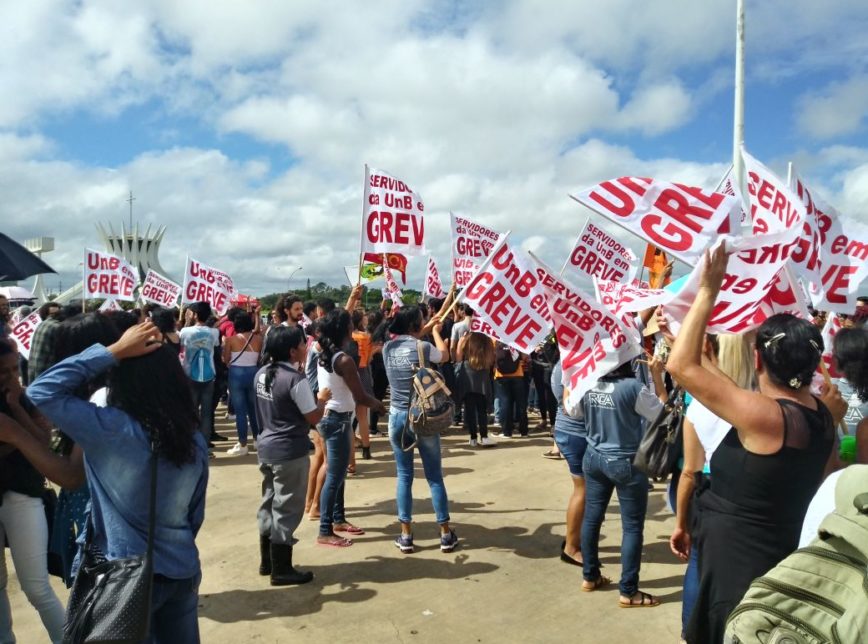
[(362, 226), (738, 112)]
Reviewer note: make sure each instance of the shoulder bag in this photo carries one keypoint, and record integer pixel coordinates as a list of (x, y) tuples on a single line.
[(659, 448), (110, 601)]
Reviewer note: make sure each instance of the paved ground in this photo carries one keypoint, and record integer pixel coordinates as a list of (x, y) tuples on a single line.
[(505, 583)]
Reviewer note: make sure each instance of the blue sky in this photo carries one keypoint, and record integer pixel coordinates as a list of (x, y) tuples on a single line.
[(244, 127)]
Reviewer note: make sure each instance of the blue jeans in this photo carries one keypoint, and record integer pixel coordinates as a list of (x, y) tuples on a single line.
[(175, 611), (338, 440), (512, 397), (429, 450), (690, 589), (242, 393), (602, 476)]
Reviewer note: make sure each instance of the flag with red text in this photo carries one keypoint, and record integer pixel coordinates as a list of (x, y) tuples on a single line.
[(392, 216), (680, 220)]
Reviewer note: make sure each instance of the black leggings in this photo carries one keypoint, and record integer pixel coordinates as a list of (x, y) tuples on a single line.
[(476, 415), (548, 406)]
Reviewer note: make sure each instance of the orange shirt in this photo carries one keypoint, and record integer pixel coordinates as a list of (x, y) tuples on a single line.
[(363, 340)]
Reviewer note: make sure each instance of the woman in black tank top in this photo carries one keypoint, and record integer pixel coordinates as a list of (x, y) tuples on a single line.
[(770, 464)]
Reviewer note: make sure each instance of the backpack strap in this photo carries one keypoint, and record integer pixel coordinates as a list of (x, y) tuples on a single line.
[(420, 350)]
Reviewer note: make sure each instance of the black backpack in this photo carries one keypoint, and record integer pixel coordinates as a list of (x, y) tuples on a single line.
[(504, 360)]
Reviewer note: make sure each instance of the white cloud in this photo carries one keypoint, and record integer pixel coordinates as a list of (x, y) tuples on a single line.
[(840, 109), (496, 111)]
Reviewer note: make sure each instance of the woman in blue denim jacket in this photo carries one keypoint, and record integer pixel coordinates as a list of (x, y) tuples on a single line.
[(149, 400)]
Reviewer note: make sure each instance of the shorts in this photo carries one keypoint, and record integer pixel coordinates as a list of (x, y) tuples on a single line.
[(572, 448)]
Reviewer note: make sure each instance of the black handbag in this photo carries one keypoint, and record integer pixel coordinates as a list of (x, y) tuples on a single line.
[(661, 444), (110, 601)]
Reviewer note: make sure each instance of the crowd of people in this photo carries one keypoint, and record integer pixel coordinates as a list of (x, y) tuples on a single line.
[(307, 387)]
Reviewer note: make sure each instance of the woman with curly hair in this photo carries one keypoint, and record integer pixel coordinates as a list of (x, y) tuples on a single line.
[(337, 372)]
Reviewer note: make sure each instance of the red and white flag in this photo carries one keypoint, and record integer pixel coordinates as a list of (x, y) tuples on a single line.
[(22, 333), (392, 216), (160, 290), (737, 218), (681, 220), (110, 304), (433, 286), (392, 290), (750, 291), (471, 245), (203, 283), (597, 254), (507, 299), (592, 340), (107, 275), (830, 330), (843, 254)]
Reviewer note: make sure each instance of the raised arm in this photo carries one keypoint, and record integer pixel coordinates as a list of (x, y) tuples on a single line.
[(757, 418), (86, 423)]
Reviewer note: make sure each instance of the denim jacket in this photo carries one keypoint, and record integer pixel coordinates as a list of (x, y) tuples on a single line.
[(117, 462)]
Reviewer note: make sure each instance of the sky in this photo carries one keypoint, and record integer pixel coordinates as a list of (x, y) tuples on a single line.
[(244, 127)]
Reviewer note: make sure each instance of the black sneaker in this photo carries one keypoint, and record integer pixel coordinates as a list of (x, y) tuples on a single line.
[(448, 541)]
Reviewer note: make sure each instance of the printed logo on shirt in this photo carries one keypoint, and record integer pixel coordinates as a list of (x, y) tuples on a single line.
[(601, 399), (260, 388), (401, 359), (854, 415)]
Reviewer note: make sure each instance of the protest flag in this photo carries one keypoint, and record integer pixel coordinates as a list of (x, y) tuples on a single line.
[(107, 276), (392, 216)]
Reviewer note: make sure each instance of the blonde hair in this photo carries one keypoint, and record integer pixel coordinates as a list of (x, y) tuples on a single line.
[(479, 351), (735, 359)]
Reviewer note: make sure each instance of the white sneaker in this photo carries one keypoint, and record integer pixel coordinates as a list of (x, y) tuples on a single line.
[(238, 450), (472, 442), (254, 445), (487, 442), (229, 416)]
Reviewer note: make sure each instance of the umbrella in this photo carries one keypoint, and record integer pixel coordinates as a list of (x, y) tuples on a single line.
[(18, 263)]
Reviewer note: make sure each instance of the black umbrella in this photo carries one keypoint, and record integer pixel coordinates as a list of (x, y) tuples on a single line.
[(18, 263)]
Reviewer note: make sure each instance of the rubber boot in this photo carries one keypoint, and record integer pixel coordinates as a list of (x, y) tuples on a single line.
[(366, 453), (282, 572), (264, 555)]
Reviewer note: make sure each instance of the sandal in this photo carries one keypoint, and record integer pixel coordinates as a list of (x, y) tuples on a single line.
[(645, 601), (334, 541), (351, 469), (598, 583), (349, 528), (555, 456)]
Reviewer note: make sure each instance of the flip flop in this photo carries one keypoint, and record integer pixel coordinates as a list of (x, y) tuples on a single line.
[(598, 583), (351, 469), (349, 528), (337, 543), (645, 601), (555, 456)]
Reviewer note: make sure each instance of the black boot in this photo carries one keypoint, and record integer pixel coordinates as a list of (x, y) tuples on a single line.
[(366, 453), (282, 572), (264, 555)]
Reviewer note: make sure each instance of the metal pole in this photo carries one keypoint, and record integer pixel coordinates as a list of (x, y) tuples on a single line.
[(738, 113)]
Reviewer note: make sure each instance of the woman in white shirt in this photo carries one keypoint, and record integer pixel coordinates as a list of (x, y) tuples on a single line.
[(337, 371)]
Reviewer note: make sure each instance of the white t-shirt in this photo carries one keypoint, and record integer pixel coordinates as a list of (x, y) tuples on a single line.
[(822, 504), (710, 429)]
